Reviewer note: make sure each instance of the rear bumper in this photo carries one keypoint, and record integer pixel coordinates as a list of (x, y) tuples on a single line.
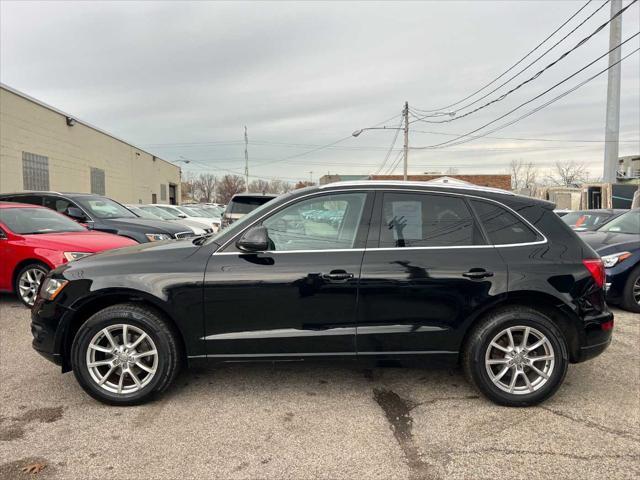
[(598, 331)]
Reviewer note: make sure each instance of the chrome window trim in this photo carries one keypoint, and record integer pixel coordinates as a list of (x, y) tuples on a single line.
[(383, 190)]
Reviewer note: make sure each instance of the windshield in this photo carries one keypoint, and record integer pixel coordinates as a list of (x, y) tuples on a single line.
[(142, 213), (27, 221), (585, 219), (159, 212), (199, 212), (626, 223), (104, 208)]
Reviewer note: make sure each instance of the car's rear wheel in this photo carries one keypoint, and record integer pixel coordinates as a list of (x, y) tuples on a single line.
[(516, 356), (125, 354), (631, 293), (28, 282)]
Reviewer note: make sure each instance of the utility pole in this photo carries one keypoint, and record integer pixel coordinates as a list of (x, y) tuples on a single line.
[(246, 160), (311, 177), (405, 114), (612, 128)]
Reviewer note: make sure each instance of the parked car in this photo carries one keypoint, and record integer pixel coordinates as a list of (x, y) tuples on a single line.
[(102, 214), (618, 243), (242, 204), (207, 214), (33, 240), (413, 271), (191, 215), (584, 220), (158, 214)]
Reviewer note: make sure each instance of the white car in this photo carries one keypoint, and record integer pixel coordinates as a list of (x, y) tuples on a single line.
[(150, 211), (189, 214)]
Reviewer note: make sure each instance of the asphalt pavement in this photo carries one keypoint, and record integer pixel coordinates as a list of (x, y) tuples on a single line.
[(332, 421)]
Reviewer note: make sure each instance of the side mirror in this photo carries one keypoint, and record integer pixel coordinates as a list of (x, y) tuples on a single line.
[(77, 214), (255, 239)]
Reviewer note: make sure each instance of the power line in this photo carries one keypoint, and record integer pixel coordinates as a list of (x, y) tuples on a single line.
[(533, 77), (529, 65), (515, 64), (537, 109), (393, 143), (523, 139)]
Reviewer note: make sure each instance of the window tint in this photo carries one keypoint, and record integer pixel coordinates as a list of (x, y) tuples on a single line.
[(319, 223), (32, 199), (502, 226), (58, 204), (424, 220), (244, 205)]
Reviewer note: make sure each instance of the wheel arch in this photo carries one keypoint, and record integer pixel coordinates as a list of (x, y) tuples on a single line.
[(554, 308), (28, 261), (101, 300)]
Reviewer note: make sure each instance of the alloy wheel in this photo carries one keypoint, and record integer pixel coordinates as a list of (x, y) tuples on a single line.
[(635, 291), (29, 283), (122, 359), (520, 360)]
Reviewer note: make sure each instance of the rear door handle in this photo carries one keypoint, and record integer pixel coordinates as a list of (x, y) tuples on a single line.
[(337, 275), (477, 273)]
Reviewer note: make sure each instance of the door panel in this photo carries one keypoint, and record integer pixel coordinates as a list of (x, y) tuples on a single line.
[(428, 270), (281, 303), (299, 298), (417, 300)]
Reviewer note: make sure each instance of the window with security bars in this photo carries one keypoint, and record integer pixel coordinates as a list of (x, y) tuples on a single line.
[(97, 181), (163, 191), (35, 171)]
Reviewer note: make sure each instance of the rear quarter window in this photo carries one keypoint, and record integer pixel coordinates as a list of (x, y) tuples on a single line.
[(502, 226)]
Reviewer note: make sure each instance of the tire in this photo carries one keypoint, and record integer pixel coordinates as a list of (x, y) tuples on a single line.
[(30, 276), (105, 370), (629, 301), (483, 362)]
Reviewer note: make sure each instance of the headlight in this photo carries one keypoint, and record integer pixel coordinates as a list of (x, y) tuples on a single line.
[(614, 259), (156, 237), (71, 256), (52, 287)]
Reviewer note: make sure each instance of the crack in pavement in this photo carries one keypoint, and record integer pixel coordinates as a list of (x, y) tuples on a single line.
[(589, 423), (397, 411)]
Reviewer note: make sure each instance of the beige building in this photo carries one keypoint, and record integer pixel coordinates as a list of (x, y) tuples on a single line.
[(42, 148)]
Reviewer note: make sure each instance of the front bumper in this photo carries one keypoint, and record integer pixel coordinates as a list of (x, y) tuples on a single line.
[(48, 323)]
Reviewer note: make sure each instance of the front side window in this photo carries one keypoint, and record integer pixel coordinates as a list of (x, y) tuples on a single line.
[(502, 226), (320, 223), (626, 223), (26, 221), (426, 220), (58, 204)]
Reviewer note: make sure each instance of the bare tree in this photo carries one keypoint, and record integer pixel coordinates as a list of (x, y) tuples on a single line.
[(260, 186), (451, 171), (205, 186), (568, 173), (523, 175), (228, 186), (280, 186), (188, 188)]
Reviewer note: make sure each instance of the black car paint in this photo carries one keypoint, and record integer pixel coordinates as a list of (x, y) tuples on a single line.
[(135, 228), (367, 302)]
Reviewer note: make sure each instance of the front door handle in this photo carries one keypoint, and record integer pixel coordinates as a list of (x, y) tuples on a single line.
[(477, 273), (337, 275)]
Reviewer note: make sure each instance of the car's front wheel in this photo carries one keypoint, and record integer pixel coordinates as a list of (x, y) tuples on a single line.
[(28, 282), (516, 356), (125, 354), (631, 293)]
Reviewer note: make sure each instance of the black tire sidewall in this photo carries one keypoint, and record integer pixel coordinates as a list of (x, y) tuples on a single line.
[(110, 316), (628, 302), (16, 283), (500, 322)]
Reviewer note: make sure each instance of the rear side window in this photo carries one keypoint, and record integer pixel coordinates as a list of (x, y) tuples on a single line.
[(502, 226), (424, 220), (58, 204)]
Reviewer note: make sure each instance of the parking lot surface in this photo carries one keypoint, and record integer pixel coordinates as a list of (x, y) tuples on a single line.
[(301, 420)]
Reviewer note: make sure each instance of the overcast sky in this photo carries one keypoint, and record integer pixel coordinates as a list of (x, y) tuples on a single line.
[(181, 79)]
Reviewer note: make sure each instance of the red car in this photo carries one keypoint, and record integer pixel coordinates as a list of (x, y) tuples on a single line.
[(33, 240)]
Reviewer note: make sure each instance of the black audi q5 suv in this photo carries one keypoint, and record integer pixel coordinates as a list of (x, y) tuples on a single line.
[(362, 270)]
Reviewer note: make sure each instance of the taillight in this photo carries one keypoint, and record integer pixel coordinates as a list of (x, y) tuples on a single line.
[(596, 269), (606, 326)]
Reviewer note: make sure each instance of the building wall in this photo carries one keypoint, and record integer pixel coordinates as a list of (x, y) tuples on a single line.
[(131, 175), (488, 180)]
